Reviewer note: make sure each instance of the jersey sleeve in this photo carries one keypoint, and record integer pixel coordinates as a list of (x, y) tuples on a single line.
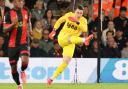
[(7, 19), (83, 25), (61, 20)]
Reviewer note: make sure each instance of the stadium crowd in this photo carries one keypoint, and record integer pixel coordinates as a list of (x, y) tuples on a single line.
[(44, 14)]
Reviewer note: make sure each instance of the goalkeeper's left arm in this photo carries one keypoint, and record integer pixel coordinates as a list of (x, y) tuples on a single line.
[(57, 25)]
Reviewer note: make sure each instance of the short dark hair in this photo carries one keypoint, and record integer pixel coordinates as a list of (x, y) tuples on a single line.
[(123, 9), (109, 32), (80, 7)]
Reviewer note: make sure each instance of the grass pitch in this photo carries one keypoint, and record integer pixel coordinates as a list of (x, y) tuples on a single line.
[(69, 86)]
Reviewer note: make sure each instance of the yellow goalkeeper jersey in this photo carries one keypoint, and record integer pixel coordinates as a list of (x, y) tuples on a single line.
[(71, 28)]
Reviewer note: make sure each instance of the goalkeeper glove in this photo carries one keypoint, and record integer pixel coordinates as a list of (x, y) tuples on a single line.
[(52, 34)]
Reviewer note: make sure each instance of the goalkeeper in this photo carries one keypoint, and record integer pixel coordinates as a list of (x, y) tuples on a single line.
[(74, 25)]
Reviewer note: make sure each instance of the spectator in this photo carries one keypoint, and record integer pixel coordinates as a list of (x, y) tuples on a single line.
[(124, 52), (111, 50), (48, 16), (56, 51), (38, 11), (86, 12), (93, 51), (53, 21), (35, 51), (109, 34), (37, 30), (46, 44), (109, 28), (121, 22), (119, 38)]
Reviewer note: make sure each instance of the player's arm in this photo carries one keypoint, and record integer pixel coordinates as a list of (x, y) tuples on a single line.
[(57, 24), (84, 26), (8, 27), (8, 24)]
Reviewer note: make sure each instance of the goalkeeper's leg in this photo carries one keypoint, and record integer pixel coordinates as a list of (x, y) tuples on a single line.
[(67, 55), (77, 40)]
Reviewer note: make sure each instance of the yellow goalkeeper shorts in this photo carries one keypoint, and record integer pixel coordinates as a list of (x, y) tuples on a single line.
[(68, 48)]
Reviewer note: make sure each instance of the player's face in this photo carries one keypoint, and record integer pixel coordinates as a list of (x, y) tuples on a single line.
[(22, 3), (78, 13), (18, 3)]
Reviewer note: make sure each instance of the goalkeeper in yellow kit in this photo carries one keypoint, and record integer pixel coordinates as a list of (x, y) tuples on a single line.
[(74, 25)]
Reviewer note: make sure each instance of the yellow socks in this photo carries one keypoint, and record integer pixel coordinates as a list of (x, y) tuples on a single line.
[(59, 70)]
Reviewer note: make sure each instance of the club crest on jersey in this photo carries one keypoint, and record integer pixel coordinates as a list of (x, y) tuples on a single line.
[(20, 24), (26, 17)]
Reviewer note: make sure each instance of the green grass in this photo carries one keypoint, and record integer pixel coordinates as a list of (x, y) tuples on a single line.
[(69, 86)]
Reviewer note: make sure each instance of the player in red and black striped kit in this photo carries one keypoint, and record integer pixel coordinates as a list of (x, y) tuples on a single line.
[(16, 24)]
